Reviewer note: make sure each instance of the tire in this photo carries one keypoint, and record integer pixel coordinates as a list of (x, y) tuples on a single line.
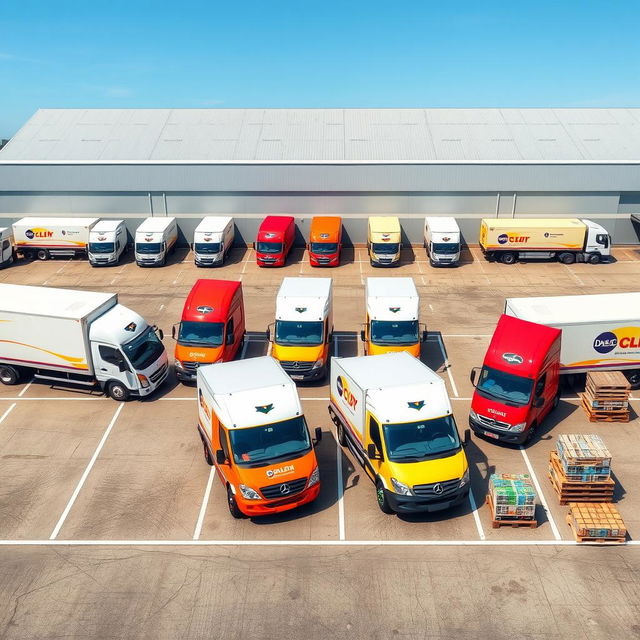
[(42, 254), (383, 503), (566, 258), (594, 258), (118, 391), (531, 434), (234, 510), (342, 438), (207, 452), (633, 377), (556, 402), (508, 257), (9, 375)]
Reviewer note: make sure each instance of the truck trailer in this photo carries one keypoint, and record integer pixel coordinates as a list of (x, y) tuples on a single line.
[(78, 338)]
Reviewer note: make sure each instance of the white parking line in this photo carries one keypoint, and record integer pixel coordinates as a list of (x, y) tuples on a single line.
[(543, 500), (25, 389), (7, 412), (476, 515), (203, 506), (447, 366), (85, 475)]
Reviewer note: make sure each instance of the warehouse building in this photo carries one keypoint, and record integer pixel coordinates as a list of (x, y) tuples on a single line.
[(469, 163)]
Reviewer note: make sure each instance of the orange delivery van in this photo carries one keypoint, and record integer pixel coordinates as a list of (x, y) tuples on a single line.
[(325, 241), (212, 327)]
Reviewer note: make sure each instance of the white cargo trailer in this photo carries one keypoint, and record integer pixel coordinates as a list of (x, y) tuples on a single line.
[(107, 242), (212, 239), (78, 337), (43, 238), (599, 332), (155, 239)]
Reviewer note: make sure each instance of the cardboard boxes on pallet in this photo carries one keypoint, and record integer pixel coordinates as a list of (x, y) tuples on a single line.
[(596, 523), (512, 500), (606, 397)]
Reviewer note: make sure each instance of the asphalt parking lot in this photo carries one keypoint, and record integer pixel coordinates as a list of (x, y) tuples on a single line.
[(85, 479)]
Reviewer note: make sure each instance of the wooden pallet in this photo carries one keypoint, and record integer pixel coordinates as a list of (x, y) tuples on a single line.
[(576, 491), (607, 381), (584, 519), (576, 446), (603, 415), (498, 521)]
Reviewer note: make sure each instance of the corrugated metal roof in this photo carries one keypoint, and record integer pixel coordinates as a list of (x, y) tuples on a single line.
[(329, 135)]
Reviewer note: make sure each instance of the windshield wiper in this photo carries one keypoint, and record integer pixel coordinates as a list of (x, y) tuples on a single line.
[(508, 401)]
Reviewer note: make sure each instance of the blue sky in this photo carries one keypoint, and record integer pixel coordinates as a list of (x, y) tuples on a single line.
[(307, 54)]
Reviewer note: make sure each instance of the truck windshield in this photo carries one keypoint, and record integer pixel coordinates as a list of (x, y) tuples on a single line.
[(389, 332), (207, 247), (324, 247), (504, 386), (385, 248), (289, 332), (101, 247), (415, 441), (148, 247), (269, 247), (270, 443), (143, 350), (201, 334), (446, 248)]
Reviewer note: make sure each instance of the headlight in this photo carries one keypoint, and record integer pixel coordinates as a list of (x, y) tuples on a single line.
[(472, 414), (177, 364), (519, 428), (144, 383), (465, 478), (249, 493), (400, 487), (318, 363), (314, 478)]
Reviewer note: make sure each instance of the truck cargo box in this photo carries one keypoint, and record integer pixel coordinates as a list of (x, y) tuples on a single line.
[(529, 234), (53, 233)]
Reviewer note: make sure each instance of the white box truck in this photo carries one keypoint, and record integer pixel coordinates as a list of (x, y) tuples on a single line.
[(442, 240), (599, 332), (78, 338), (7, 247), (394, 415), (44, 238), (212, 240), (107, 242), (155, 239)]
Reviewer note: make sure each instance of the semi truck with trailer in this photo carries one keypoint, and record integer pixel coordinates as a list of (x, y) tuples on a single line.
[(384, 241), (7, 247), (394, 415), (442, 240), (566, 239), (212, 240), (155, 239), (78, 338), (107, 242), (253, 430)]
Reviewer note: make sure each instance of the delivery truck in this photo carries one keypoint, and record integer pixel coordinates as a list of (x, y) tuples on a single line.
[(212, 240), (566, 239), (600, 332), (442, 240), (212, 326), (107, 242), (7, 247), (253, 430), (384, 241), (155, 239), (45, 238), (392, 317), (78, 338), (325, 241), (394, 415), (303, 330), (275, 240)]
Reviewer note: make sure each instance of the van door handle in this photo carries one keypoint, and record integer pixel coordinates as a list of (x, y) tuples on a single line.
[(103, 369)]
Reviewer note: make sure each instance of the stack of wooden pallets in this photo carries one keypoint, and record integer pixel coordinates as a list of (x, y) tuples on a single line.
[(606, 397), (512, 500), (580, 469), (596, 523)]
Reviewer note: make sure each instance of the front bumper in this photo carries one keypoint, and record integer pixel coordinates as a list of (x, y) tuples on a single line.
[(267, 507), (324, 262), (208, 262), (497, 435), (307, 375), (185, 376), (419, 504)]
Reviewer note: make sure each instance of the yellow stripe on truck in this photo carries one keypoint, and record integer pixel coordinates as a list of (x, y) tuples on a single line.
[(78, 363)]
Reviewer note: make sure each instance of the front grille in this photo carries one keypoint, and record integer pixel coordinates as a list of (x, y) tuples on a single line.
[(283, 489), (492, 423), (267, 259), (323, 259), (437, 490), (295, 366), (154, 377), (191, 366)]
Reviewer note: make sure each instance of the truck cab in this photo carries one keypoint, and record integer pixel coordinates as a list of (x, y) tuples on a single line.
[(384, 241), (107, 242), (302, 333), (212, 326), (274, 241), (212, 240), (597, 242), (391, 322), (442, 240), (7, 247), (253, 430), (325, 241), (394, 415), (518, 383), (155, 239)]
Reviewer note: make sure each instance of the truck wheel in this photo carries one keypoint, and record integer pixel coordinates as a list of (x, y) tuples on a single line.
[(383, 503), (531, 434), (9, 375), (342, 439), (207, 453), (593, 258), (42, 254), (508, 257), (556, 401), (234, 510), (633, 377), (566, 258), (118, 391)]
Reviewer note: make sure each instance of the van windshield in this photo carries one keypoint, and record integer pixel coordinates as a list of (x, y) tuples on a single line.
[(269, 247), (301, 334), (148, 247), (446, 247), (390, 332), (385, 248), (415, 441), (504, 386), (143, 350), (207, 247), (324, 247), (201, 334), (101, 247), (270, 443)]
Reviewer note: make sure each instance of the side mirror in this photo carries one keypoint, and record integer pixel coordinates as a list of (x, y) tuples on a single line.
[(268, 333), (371, 451), (472, 376), (467, 437), (538, 403), (362, 335), (173, 331), (160, 334), (318, 433), (220, 457)]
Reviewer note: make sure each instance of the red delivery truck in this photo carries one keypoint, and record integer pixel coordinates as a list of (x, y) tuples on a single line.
[(274, 241), (517, 385)]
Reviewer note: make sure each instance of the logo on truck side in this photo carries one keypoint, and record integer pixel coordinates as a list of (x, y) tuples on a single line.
[(503, 238), (280, 471), (38, 233), (622, 338), (204, 405), (345, 394), (512, 358), (605, 342)]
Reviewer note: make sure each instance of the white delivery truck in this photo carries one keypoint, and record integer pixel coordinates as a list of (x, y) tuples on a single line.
[(394, 415), (78, 337), (599, 332), (107, 242), (44, 238), (7, 247), (155, 239), (567, 239), (442, 240), (212, 240)]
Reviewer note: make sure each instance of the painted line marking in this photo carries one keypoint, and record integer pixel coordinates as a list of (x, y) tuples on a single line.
[(447, 366), (341, 527), (203, 506), (430, 307), (543, 500), (575, 275), (178, 276), (112, 282), (7, 412), (25, 389), (476, 515), (85, 475), (161, 307)]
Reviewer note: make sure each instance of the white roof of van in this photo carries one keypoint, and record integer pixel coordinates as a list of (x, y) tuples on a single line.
[(107, 225), (303, 299), (154, 225), (213, 224), (442, 224), (385, 294), (71, 222)]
